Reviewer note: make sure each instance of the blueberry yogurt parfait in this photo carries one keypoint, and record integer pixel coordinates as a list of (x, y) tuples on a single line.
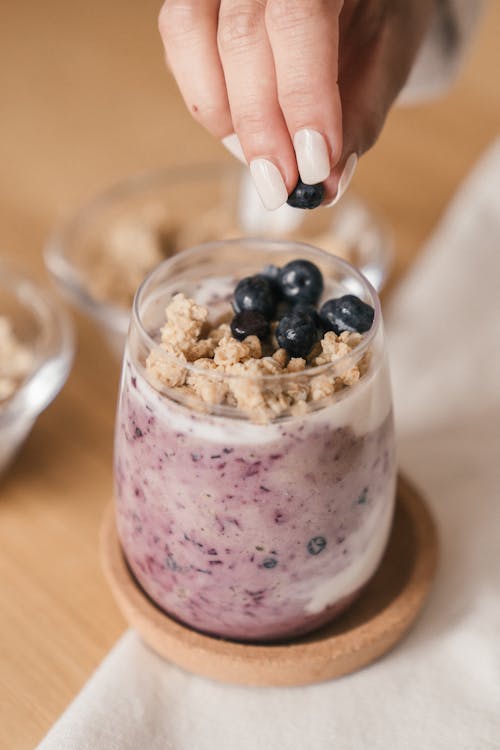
[(254, 453)]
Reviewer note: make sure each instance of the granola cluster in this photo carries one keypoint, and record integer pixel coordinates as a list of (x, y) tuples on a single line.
[(116, 265), (188, 337), (15, 360)]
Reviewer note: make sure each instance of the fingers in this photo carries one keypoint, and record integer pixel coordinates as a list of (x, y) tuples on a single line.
[(258, 122), (304, 37), (376, 55), (188, 29), (361, 123), (365, 103), (232, 62)]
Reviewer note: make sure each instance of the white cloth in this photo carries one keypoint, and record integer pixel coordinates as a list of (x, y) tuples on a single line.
[(440, 687)]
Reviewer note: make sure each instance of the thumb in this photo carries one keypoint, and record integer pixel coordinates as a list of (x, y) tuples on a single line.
[(364, 110), (371, 76)]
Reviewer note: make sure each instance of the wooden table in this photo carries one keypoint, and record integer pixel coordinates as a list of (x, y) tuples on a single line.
[(85, 100)]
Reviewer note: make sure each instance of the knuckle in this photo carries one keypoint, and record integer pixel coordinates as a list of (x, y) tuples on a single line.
[(298, 95), (250, 122), (290, 15), (239, 27), (178, 19)]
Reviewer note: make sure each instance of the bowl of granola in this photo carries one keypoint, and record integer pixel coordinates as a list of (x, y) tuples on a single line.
[(100, 256), (36, 352)]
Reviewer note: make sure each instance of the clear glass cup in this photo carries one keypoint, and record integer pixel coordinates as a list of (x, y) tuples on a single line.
[(45, 331), (253, 532)]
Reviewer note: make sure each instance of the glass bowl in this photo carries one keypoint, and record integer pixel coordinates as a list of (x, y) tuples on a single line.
[(100, 256), (44, 334)]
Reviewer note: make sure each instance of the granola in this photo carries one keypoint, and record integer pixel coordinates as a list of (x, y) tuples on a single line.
[(16, 360), (186, 337)]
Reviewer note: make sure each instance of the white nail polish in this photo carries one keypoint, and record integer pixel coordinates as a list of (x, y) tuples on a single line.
[(345, 178), (233, 145), (313, 160), (269, 183)]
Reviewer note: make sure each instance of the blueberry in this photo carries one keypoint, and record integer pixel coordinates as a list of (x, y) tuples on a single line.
[(297, 333), (305, 307), (347, 313), (316, 545), (271, 272), (171, 564), (306, 196), (301, 281), (249, 323), (255, 293), (363, 496), (282, 308)]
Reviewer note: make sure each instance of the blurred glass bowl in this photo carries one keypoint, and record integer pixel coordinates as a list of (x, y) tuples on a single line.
[(43, 332), (102, 254)]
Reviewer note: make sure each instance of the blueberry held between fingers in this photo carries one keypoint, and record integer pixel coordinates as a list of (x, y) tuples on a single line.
[(255, 293), (301, 281), (347, 313), (297, 333), (306, 196), (249, 323)]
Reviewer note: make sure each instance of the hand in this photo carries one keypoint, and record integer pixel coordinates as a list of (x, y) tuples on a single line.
[(303, 86)]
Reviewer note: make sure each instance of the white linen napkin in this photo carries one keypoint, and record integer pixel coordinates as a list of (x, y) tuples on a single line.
[(440, 687)]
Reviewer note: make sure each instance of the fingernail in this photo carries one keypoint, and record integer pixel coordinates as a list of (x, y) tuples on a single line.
[(313, 160), (345, 178), (233, 145), (269, 183)]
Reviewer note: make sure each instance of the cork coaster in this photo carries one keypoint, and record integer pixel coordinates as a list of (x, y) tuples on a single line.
[(372, 626)]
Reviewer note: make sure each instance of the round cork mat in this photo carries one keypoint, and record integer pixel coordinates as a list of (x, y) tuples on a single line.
[(372, 625)]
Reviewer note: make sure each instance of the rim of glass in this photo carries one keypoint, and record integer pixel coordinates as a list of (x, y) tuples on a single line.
[(106, 311), (356, 352), (56, 332)]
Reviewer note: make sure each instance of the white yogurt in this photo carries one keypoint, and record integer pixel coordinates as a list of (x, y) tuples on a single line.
[(367, 547)]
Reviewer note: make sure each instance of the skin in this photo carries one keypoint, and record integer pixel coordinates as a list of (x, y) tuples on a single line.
[(264, 69)]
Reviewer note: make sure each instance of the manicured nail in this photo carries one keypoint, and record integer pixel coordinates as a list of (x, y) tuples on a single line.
[(345, 178), (233, 145), (269, 183), (313, 160)]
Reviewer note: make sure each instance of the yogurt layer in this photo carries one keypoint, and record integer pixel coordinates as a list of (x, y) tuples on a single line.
[(254, 532)]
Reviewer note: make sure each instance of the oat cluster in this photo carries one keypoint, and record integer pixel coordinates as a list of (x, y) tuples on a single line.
[(115, 263), (15, 360), (115, 266), (188, 337)]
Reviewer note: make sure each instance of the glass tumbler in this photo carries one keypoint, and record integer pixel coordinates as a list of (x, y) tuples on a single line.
[(243, 530)]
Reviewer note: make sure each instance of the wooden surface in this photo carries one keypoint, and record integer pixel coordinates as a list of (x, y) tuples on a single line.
[(373, 625), (84, 101)]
